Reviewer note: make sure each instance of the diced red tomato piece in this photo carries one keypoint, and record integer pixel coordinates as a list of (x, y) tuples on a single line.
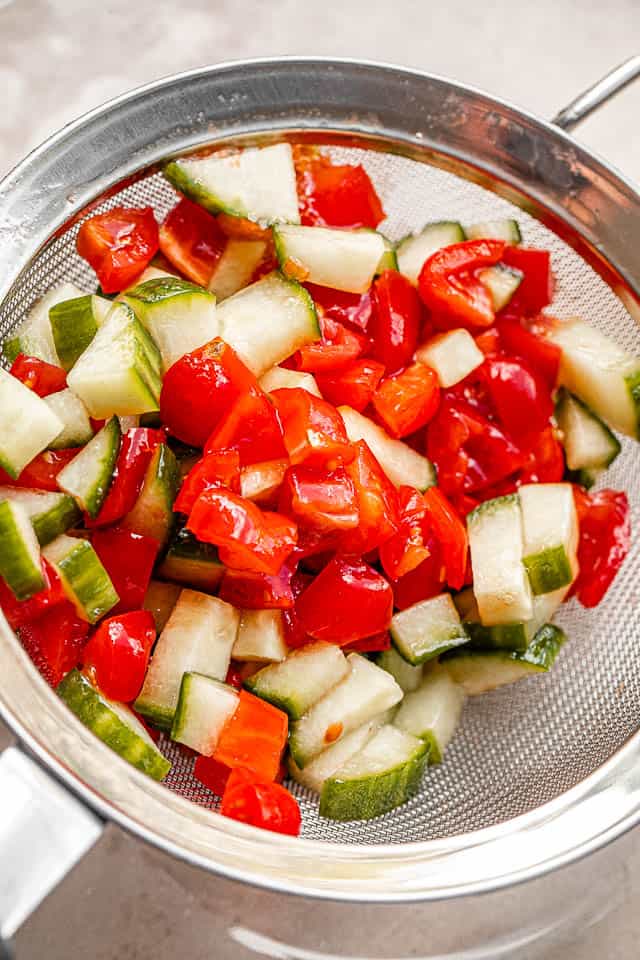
[(424, 581), (128, 558), (447, 285), (258, 591), (488, 341), (348, 600), (374, 644), (537, 287), (221, 467), (604, 518), (234, 675), (521, 399), (395, 322), (55, 640), (252, 428), (19, 612), (191, 239), (136, 450), (336, 196), (407, 400), (119, 244), (261, 804), (352, 309), (42, 472), (41, 377), (241, 228), (318, 500), (117, 654), (254, 738), (338, 348), (314, 432), (544, 459), (212, 774), (451, 534), (406, 549), (540, 354), (377, 503), (353, 385), (199, 389)]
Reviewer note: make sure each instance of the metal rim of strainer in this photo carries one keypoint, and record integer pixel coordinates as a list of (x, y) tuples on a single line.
[(486, 140)]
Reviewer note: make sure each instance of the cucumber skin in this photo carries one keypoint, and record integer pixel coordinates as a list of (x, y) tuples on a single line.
[(51, 524), (87, 704), (69, 347), (100, 489), (505, 636), (72, 568), (191, 563), (548, 570), (31, 580), (585, 476), (162, 719), (178, 178), (152, 514), (288, 705)]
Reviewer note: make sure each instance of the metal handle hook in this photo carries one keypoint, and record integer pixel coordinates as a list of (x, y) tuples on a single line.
[(601, 92)]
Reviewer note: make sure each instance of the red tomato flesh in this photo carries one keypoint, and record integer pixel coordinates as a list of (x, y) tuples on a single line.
[(337, 196), (41, 377), (605, 537), (260, 804), (353, 385), (254, 738), (119, 244), (192, 241), (128, 558), (313, 431), (395, 322), (407, 400), (117, 654)]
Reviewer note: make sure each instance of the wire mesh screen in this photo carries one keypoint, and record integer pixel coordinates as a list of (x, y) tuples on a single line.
[(523, 745)]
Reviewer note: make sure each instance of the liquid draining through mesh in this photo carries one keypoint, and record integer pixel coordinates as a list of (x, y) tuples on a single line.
[(523, 745)]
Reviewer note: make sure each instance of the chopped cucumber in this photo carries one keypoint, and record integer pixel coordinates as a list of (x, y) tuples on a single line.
[(268, 321), (149, 273), (600, 373), (198, 638), (279, 378), (400, 462), (383, 775), (550, 531), (507, 230), (500, 581), (20, 564), (260, 481), (152, 514), (114, 723), (478, 671), (260, 637), (50, 513), (363, 693), (76, 430), (34, 337), (234, 270), (506, 636), (257, 183), (204, 707), (302, 679), (432, 712), (501, 282), (453, 355), (27, 425), (179, 315), (160, 599), (389, 258), (74, 324), (340, 259), (88, 476), (427, 629), (119, 372), (414, 251), (192, 563), (326, 763), (84, 579), (408, 676), (588, 443)]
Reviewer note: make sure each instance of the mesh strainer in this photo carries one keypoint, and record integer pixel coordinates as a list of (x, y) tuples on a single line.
[(558, 753)]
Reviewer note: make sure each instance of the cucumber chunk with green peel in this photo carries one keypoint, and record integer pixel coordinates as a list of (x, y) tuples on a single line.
[(152, 514), (500, 580), (588, 443), (279, 378), (234, 270), (302, 679), (88, 476), (27, 425), (20, 564), (260, 637), (362, 694), (256, 183), (50, 513), (453, 355), (407, 675), (425, 630), (34, 337), (507, 230), (330, 760), (114, 723), (506, 636), (76, 430), (120, 370), (433, 711), (502, 282), (160, 599), (179, 315), (74, 324), (84, 579), (341, 259), (401, 463), (550, 535), (204, 707), (198, 638), (389, 258), (598, 371), (383, 775), (268, 321), (414, 251), (190, 562)]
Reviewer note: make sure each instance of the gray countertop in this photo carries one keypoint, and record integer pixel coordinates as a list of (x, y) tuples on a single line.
[(61, 57)]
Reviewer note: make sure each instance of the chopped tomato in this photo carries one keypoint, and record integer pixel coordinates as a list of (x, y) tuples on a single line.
[(117, 654), (55, 640), (407, 400), (451, 534), (42, 472), (521, 399), (489, 341), (374, 644), (254, 738), (545, 459), (313, 430), (260, 804), (352, 309), (424, 581), (252, 428), (536, 289), (136, 449), (19, 612), (353, 385), (318, 500), (348, 600), (199, 389), (395, 322), (337, 196), (234, 675), (128, 558), (43, 378), (541, 354), (221, 467), (258, 591), (339, 346), (448, 287), (247, 537), (240, 228), (406, 550), (377, 503), (212, 774), (119, 244), (192, 241), (604, 519), (294, 633)]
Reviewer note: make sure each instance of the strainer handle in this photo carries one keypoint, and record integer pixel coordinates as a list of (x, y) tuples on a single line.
[(601, 92), (44, 832)]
